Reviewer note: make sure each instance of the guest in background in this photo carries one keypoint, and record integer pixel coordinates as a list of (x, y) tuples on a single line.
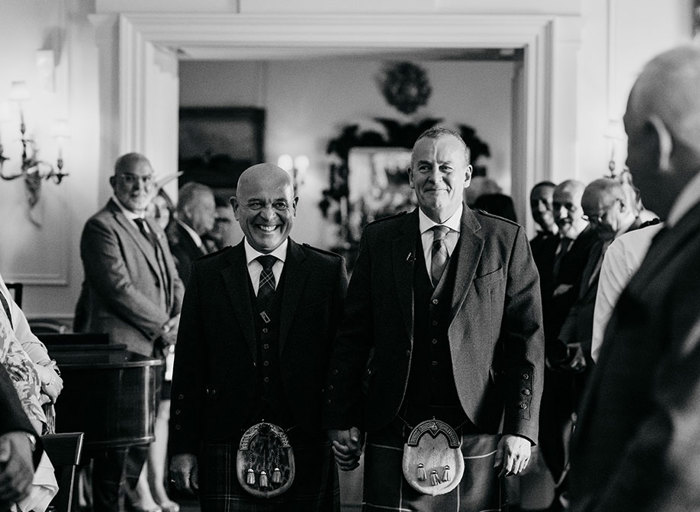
[(541, 206), (497, 204), (621, 261), (609, 214), (195, 218), (636, 443), (131, 292), (223, 234), (20, 451), (569, 254), (162, 209), (257, 328)]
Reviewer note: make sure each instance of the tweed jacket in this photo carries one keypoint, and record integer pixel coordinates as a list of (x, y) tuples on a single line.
[(495, 333)]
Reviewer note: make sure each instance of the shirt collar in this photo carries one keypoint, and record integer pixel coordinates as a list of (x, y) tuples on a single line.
[(280, 253), (127, 213), (688, 197), (193, 234), (454, 223)]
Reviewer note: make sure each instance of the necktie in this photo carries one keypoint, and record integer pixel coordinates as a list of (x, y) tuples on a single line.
[(153, 240), (6, 307), (563, 248), (439, 254), (266, 287)]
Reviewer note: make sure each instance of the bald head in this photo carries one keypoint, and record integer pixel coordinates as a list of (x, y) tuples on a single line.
[(605, 204), (265, 206), (662, 122)]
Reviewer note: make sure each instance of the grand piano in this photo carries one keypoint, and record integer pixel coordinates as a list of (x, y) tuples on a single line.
[(108, 393)]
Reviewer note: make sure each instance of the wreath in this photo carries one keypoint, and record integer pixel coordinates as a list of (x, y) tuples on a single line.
[(405, 86)]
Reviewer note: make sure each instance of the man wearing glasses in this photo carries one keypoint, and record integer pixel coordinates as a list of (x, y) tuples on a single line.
[(131, 291)]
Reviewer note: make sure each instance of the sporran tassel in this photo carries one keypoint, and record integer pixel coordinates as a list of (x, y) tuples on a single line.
[(276, 476), (446, 474), (421, 473), (434, 478), (250, 477), (263, 480)]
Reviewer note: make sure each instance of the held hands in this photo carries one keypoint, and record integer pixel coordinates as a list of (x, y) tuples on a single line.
[(512, 455), (347, 447), (16, 466), (184, 473), (51, 381)]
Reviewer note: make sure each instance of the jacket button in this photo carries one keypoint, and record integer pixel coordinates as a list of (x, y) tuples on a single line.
[(435, 301), (265, 330), (433, 341), (526, 376), (178, 412), (178, 427), (335, 371), (527, 392), (180, 396), (408, 353), (213, 392), (330, 387), (523, 405)]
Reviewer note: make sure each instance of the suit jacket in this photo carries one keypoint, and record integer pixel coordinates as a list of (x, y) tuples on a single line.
[(183, 249), (495, 334), (123, 293), (636, 444), (12, 415), (215, 377)]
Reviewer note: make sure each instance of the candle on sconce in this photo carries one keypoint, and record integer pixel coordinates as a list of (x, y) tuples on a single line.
[(19, 92)]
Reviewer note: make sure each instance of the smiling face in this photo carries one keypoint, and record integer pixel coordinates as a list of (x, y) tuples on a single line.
[(541, 205), (133, 183), (265, 206), (568, 213), (439, 174)]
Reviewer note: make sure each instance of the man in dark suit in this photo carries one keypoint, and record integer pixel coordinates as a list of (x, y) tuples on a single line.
[(195, 218), (131, 291), (636, 444), (19, 453), (448, 301), (257, 327)]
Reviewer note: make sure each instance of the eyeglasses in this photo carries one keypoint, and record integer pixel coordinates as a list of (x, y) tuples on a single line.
[(130, 179), (597, 219)]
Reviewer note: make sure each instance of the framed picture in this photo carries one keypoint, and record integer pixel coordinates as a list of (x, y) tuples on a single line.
[(218, 143)]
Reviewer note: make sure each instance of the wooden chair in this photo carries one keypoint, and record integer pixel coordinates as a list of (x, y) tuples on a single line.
[(64, 450)]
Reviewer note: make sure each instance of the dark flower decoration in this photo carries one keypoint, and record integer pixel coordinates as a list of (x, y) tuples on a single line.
[(405, 86)]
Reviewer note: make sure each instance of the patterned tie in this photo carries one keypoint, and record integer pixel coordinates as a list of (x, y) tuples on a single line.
[(148, 233), (439, 254), (266, 288)]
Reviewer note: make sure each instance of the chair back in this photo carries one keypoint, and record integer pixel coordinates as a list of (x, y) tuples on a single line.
[(64, 450)]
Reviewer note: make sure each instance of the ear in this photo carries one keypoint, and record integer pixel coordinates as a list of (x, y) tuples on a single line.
[(112, 181), (410, 177), (664, 140), (294, 205), (234, 205), (468, 177)]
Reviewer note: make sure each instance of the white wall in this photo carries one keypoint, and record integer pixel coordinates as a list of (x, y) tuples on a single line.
[(307, 101), (46, 255)]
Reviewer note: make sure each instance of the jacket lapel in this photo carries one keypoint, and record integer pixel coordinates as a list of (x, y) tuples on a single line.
[(135, 234), (164, 249), (295, 275), (403, 257), (236, 280), (468, 253)]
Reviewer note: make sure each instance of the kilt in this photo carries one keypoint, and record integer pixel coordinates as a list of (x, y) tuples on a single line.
[(315, 487), (385, 488)]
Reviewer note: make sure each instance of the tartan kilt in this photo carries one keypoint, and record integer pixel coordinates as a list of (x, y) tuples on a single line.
[(385, 488), (315, 487)]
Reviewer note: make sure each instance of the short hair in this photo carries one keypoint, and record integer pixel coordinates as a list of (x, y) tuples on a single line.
[(440, 131), (544, 184), (189, 193), (606, 186), (127, 162)]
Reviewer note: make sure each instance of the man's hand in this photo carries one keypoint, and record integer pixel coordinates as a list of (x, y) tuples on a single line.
[(347, 447), (16, 466), (169, 331), (512, 455), (184, 473)]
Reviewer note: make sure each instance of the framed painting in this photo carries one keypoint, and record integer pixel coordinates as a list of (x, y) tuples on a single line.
[(216, 144)]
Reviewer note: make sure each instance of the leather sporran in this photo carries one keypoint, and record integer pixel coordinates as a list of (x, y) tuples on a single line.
[(432, 458), (265, 461)]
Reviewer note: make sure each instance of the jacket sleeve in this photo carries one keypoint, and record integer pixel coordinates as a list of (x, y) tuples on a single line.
[(343, 391), (522, 343), (105, 270), (188, 379)]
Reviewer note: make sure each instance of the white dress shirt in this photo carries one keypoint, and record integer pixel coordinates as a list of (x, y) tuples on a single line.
[(255, 268), (425, 225)]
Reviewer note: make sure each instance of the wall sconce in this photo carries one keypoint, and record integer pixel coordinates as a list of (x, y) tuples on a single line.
[(33, 169), (296, 166)]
